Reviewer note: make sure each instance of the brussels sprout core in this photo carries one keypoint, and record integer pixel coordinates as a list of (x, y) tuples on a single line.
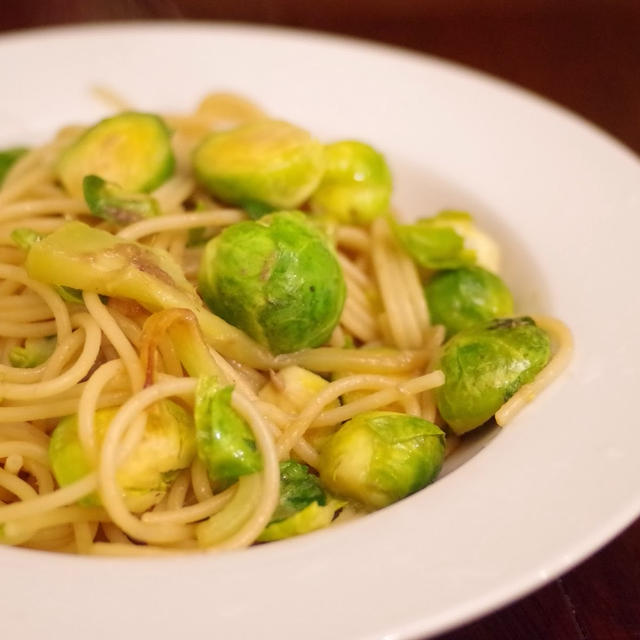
[(485, 365), (462, 298), (276, 279), (380, 457), (260, 166), (356, 186)]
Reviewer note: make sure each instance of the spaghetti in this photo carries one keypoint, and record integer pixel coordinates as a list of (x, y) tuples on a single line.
[(102, 358)]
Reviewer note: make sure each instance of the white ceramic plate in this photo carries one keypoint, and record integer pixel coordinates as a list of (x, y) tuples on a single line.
[(556, 484)]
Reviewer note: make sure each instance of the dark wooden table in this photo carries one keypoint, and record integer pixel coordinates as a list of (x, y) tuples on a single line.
[(585, 55)]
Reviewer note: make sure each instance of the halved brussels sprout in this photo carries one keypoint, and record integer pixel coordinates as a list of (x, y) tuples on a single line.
[(356, 186), (380, 457), (485, 365), (292, 388), (462, 298), (261, 166), (303, 507), (110, 202), (224, 440), (131, 149), (7, 159), (277, 279), (448, 240), (166, 447), (77, 255), (33, 353)]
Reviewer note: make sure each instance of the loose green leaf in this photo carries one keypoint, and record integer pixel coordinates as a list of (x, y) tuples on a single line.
[(225, 442), (110, 202), (434, 243), (8, 157), (303, 506), (312, 517), (298, 489), (25, 238), (33, 353)]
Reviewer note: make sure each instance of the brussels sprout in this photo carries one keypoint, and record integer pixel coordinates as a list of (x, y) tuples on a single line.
[(485, 365), (33, 353), (109, 202), (448, 240), (261, 166), (225, 442), (166, 447), (276, 279), (379, 457), (462, 298), (7, 159), (77, 255), (303, 504), (293, 388), (131, 149), (356, 186)]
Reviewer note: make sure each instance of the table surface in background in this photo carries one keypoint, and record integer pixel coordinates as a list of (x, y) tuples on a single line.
[(584, 55)]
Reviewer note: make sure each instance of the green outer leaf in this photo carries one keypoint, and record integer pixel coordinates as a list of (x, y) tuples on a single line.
[(485, 365), (7, 159), (298, 489), (224, 440), (25, 238), (462, 298)]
